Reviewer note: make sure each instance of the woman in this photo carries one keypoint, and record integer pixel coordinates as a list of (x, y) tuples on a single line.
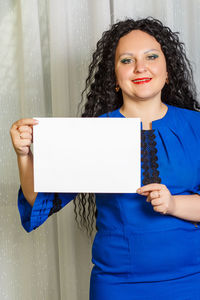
[(148, 244)]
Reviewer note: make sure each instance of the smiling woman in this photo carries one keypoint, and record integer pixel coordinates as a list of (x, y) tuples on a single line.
[(141, 71), (146, 246)]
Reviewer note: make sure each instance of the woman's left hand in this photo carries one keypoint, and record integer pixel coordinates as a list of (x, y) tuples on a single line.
[(159, 196)]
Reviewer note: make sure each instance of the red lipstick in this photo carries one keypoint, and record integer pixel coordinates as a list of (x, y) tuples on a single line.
[(141, 80)]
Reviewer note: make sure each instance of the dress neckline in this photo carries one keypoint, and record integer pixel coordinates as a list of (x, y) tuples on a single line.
[(156, 123)]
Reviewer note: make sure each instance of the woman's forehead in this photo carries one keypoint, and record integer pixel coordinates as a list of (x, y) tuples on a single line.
[(137, 40)]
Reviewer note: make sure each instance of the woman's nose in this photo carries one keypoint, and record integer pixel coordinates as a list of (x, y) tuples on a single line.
[(140, 66)]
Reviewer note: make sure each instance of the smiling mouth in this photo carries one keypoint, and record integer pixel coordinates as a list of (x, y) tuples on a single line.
[(141, 80)]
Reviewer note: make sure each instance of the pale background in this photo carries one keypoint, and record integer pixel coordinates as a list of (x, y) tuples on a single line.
[(45, 48)]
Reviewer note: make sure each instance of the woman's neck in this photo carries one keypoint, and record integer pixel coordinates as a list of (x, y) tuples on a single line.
[(147, 111)]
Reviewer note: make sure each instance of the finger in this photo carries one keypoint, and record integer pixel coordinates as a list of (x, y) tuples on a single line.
[(148, 199), (154, 194), (25, 142), (25, 135), (145, 194), (160, 208), (22, 143), (150, 187), (24, 122), (25, 129), (156, 202)]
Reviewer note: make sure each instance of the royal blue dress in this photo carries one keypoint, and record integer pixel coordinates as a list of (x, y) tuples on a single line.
[(139, 253)]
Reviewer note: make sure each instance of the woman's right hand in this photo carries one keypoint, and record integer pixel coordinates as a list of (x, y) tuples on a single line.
[(22, 135)]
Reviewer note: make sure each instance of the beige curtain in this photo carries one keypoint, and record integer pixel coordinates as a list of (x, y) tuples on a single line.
[(45, 49)]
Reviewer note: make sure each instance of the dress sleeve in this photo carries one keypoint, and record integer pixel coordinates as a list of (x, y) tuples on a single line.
[(44, 206), (196, 190)]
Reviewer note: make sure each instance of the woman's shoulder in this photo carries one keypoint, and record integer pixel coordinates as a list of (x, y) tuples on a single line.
[(185, 121), (112, 114), (186, 112), (191, 116)]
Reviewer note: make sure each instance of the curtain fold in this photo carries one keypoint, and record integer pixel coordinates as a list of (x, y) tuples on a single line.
[(46, 47)]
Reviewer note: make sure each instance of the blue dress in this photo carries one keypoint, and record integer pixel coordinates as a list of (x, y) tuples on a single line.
[(139, 253)]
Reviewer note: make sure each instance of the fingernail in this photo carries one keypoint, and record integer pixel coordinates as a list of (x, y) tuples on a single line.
[(138, 191)]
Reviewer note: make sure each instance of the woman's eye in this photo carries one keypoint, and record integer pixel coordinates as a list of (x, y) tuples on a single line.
[(126, 60), (152, 57)]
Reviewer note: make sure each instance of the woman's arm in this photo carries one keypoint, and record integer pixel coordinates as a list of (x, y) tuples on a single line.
[(25, 164), (34, 208), (22, 135), (186, 207)]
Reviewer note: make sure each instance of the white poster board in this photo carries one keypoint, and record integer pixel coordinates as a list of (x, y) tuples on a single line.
[(96, 155)]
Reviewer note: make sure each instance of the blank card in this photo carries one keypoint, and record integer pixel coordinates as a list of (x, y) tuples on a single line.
[(87, 155)]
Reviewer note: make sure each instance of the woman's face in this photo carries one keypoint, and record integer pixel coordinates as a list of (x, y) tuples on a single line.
[(140, 66)]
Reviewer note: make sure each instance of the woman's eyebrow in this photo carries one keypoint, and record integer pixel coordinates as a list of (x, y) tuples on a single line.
[(151, 50), (131, 54), (126, 53)]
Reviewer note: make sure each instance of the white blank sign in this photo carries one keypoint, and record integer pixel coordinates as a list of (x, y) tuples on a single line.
[(96, 155)]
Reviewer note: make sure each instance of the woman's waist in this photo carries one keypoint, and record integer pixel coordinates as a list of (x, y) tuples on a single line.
[(146, 226), (148, 255)]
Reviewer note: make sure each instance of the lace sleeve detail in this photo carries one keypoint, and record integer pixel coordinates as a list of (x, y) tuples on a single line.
[(57, 205)]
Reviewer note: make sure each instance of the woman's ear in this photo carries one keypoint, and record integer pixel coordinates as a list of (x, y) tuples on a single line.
[(117, 87), (167, 79)]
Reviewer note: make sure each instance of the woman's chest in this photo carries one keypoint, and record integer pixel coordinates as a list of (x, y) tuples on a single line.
[(171, 159)]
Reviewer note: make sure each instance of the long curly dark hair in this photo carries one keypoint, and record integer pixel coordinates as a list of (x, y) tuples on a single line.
[(99, 95)]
